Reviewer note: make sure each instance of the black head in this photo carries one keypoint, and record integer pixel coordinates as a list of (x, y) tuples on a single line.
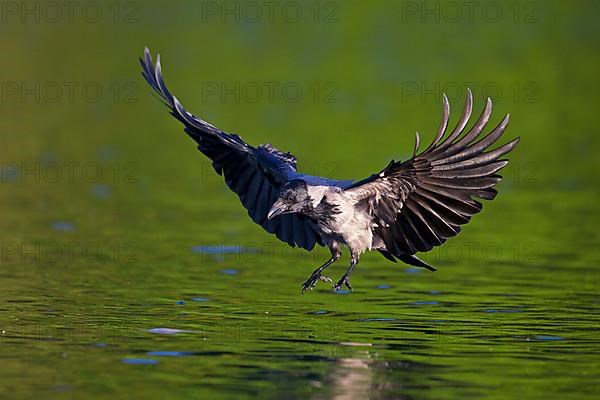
[(292, 198)]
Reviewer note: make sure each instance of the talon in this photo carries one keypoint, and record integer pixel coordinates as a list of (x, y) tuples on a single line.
[(342, 282), (316, 276), (311, 282), (306, 286)]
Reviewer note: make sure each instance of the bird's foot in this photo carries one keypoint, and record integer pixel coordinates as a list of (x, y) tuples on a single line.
[(345, 281), (311, 282)]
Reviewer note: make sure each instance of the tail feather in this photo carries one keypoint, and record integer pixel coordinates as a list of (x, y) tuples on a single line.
[(415, 261), (406, 258)]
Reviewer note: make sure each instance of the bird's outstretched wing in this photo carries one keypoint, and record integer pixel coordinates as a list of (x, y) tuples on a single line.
[(419, 203), (255, 174)]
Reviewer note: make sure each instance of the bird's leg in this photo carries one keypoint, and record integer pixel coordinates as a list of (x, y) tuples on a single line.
[(316, 275), (345, 279)]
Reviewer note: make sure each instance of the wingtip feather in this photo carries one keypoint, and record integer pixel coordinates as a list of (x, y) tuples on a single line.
[(417, 143)]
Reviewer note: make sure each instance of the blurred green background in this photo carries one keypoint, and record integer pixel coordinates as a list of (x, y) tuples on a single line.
[(128, 269)]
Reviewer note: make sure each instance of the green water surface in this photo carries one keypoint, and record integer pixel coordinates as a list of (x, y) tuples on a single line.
[(135, 273)]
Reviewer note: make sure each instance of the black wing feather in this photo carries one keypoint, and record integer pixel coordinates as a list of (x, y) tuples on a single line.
[(419, 203), (255, 174)]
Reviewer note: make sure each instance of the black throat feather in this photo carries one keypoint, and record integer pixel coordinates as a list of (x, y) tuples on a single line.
[(324, 211)]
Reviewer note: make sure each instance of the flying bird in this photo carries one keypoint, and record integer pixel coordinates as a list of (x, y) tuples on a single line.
[(408, 207)]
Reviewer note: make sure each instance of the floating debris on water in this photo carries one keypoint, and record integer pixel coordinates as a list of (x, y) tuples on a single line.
[(200, 299), (342, 291), (107, 153), (547, 337), (167, 331), (9, 173), (355, 344), (219, 252), (425, 303), (47, 157), (229, 271), (222, 249), (139, 361), (101, 191), (377, 319), (169, 353), (63, 226)]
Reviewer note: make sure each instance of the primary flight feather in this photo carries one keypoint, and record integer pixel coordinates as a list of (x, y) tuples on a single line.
[(408, 207)]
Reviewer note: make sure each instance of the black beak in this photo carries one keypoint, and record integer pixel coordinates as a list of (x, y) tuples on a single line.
[(278, 208)]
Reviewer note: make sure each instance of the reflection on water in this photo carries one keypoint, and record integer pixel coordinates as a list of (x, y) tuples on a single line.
[(350, 378)]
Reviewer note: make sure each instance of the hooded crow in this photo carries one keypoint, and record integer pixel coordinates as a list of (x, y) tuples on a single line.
[(408, 207)]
